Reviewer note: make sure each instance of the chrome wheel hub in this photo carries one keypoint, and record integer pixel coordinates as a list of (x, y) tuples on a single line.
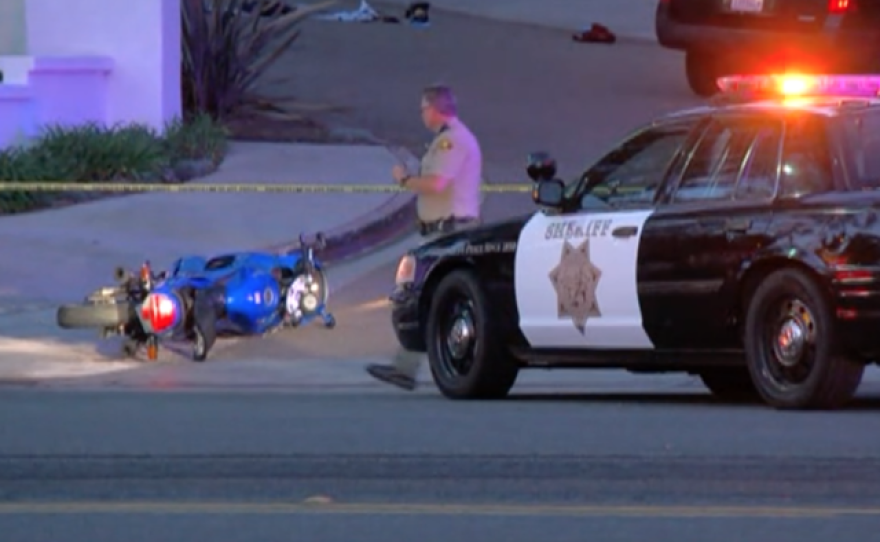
[(461, 336), (790, 342), (793, 335)]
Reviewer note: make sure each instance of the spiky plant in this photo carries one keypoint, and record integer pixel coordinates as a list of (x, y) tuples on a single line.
[(228, 46)]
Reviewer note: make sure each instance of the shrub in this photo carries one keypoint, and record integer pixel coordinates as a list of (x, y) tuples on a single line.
[(199, 138), (92, 153), (227, 49)]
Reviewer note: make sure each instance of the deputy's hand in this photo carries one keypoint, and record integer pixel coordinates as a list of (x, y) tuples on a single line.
[(399, 173)]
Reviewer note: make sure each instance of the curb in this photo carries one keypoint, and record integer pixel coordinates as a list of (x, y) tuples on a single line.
[(389, 222)]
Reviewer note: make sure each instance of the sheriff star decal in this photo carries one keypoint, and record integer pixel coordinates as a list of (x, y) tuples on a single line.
[(575, 280)]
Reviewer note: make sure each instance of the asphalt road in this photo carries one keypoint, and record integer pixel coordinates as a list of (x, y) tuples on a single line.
[(277, 466), (244, 448)]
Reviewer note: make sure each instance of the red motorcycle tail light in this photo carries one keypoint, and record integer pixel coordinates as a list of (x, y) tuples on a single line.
[(160, 310)]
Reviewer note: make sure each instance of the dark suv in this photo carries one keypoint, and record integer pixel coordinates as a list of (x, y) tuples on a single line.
[(723, 37)]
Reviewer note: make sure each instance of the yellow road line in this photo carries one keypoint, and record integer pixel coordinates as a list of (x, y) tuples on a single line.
[(293, 508)]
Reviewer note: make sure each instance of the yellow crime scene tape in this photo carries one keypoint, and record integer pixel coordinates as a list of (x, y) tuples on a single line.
[(48, 186)]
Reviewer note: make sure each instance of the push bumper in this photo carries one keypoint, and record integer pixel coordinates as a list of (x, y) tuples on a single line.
[(405, 319)]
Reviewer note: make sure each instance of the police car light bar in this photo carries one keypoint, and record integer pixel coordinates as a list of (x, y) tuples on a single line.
[(794, 85)]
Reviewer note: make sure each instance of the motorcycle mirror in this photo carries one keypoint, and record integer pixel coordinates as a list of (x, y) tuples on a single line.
[(120, 274)]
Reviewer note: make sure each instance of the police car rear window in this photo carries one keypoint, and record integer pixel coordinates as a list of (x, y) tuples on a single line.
[(862, 146)]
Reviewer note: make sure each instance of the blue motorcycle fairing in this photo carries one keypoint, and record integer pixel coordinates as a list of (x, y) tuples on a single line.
[(246, 289)]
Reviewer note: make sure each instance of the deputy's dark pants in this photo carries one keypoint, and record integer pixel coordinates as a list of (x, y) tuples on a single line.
[(409, 363)]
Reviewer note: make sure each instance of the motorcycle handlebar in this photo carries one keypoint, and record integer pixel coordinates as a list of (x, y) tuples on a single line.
[(319, 243)]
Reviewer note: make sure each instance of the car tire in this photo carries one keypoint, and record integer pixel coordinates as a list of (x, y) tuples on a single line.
[(790, 345), (702, 71), (730, 384), (479, 368), (93, 316)]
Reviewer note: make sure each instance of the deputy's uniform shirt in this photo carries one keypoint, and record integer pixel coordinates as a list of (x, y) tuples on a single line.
[(455, 154)]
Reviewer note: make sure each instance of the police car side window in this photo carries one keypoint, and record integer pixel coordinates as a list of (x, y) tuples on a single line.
[(806, 159), (632, 173), (759, 176), (714, 168), (861, 146)]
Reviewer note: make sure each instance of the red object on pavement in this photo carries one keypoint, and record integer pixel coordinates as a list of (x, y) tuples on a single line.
[(596, 34)]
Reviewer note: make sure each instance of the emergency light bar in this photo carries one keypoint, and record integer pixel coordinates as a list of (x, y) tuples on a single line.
[(798, 86)]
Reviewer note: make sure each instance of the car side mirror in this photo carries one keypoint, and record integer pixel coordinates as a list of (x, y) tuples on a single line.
[(541, 167), (549, 193)]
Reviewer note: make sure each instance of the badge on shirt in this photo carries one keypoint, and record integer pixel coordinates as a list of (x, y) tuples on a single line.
[(444, 144)]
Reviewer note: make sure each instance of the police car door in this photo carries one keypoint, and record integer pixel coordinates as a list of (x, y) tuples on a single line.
[(575, 274)]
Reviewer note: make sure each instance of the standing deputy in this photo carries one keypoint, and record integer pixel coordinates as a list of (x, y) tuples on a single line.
[(448, 198)]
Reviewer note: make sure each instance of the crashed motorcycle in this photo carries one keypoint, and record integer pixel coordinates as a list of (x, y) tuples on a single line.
[(233, 294)]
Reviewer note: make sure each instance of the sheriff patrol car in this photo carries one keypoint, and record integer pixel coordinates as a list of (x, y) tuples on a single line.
[(739, 241)]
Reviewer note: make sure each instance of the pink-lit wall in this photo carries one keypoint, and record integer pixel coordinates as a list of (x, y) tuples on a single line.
[(109, 61)]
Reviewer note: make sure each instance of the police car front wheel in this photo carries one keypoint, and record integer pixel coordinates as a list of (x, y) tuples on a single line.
[(790, 345), (468, 357)]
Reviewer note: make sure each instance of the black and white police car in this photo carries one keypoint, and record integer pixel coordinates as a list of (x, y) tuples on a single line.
[(739, 241)]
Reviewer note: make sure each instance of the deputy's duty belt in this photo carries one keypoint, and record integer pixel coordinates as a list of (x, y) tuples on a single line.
[(444, 225)]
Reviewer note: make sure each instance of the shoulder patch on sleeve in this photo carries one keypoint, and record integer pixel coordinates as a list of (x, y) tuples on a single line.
[(444, 144)]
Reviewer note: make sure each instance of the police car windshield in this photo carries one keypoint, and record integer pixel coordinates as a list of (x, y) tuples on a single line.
[(861, 130), (631, 173)]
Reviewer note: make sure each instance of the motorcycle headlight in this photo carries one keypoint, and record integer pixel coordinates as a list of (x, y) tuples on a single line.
[(406, 270)]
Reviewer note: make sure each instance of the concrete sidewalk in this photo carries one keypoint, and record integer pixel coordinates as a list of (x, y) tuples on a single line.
[(633, 19), (59, 255)]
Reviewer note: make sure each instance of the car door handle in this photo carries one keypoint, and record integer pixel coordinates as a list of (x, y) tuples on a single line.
[(624, 231), (737, 225)]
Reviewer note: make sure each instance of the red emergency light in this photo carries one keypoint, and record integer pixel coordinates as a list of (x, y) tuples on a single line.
[(800, 86)]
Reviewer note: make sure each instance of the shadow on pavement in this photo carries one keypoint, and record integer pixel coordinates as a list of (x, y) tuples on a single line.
[(871, 402)]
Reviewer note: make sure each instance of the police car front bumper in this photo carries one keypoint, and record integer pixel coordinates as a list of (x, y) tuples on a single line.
[(405, 318)]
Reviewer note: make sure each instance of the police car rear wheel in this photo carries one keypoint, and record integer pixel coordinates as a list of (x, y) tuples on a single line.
[(790, 345), (467, 355)]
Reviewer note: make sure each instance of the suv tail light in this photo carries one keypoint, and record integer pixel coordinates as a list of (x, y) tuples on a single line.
[(836, 7), (161, 311)]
